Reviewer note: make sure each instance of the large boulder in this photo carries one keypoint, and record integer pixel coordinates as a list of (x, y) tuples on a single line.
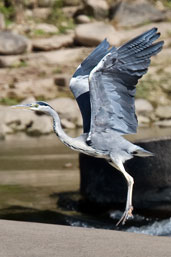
[(12, 43), (92, 34), (104, 185), (134, 13)]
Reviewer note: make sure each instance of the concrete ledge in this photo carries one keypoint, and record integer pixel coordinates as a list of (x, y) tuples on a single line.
[(23, 239)]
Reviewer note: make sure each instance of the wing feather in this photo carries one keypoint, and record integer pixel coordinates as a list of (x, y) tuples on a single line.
[(79, 83), (113, 84)]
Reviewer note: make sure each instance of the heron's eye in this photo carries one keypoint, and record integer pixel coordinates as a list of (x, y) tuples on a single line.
[(35, 105)]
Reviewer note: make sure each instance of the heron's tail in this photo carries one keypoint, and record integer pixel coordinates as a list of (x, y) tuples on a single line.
[(141, 152)]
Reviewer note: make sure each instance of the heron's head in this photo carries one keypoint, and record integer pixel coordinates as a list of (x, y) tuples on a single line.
[(37, 106)]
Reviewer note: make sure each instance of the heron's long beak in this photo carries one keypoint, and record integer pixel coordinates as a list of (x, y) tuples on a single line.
[(21, 106)]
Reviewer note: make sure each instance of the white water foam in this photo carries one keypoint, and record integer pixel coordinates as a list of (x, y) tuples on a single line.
[(157, 228)]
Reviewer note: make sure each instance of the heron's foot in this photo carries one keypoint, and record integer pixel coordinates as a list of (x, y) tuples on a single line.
[(126, 215)]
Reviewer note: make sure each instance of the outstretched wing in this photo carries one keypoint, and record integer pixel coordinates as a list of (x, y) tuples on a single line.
[(113, 84), (79, 83)]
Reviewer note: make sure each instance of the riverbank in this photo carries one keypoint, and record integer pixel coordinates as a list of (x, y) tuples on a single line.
[(43, 42), (33, 239)]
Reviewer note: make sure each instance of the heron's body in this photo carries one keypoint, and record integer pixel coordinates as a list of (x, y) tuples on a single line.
[(104, 86)]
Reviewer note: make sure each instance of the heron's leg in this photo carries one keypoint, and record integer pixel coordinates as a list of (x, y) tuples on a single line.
[(130, 181)]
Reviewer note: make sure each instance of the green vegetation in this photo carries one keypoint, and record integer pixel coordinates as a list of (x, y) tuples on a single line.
[(167, 3), (8, 101), (38, 32), (21, 64), (58, 18), (8, 12)]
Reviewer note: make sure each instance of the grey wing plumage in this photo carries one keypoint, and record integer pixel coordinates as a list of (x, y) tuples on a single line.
[(113, 84), (79, 84)]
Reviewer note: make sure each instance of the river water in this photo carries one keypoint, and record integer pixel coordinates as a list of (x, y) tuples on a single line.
[(39, 182)]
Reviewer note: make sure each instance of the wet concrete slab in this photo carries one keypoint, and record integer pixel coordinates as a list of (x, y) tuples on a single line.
[(41, 240)]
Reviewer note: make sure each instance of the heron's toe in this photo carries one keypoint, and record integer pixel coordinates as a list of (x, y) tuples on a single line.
[(126, 215)]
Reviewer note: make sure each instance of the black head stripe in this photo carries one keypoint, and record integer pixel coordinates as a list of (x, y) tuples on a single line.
[(42, 103)]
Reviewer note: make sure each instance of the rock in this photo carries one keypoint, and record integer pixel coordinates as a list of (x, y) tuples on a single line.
[(41, 13), (15, 120), (163, 123), (45, 3), (124, 14), (41, 88), (102, 184), (67, 124), (2, 22), (46, 28), (143, 121), (10, 61), (163, 112), (81, 19), (28, 13), (166, 87), (66, 107), (70, 11), (12, 44), (92, 34), (59, 57), (98, 9), (41, 125), (143, 107), (51, 43), (62, 80)]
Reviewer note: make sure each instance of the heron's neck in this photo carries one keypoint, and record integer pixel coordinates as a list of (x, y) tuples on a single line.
[(59, 131), (78, 143)]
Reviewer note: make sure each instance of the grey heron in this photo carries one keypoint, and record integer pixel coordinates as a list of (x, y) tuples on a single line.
[(104, 86)]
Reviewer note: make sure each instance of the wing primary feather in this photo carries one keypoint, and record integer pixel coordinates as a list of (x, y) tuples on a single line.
[(113, 84)]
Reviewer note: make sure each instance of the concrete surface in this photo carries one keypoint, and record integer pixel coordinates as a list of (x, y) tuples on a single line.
[(23, 239)]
